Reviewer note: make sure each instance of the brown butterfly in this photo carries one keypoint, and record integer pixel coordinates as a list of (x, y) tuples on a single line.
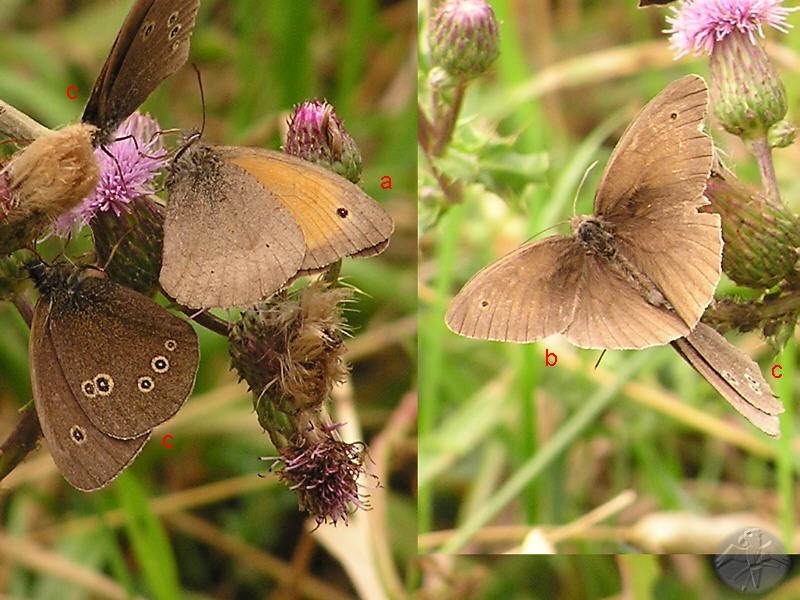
[(639, 271), (241, 222)]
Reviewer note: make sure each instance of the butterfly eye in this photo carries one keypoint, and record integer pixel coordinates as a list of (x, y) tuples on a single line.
[(88, 389), (145, 384), (148, 29), (171, 345), (160, 364), (104, 384), (77, 434)]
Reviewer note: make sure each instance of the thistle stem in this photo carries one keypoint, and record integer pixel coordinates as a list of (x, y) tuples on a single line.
[(17, 125), (27, 433), (446, 124), (763, 153)]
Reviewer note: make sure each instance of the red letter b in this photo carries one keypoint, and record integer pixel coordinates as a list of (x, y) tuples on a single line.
[(547, 355)]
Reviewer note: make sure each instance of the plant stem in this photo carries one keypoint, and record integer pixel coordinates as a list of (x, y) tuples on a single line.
[(447, 123), (763, 153), (18, 125)]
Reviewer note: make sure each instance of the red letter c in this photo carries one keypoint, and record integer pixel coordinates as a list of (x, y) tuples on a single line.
[(72, 87), (165, 441), (773, 371)]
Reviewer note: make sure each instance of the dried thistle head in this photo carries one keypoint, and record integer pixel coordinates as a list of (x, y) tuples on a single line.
[(290, 349)]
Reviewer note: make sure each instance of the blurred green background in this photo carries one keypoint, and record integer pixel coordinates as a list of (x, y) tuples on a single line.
[(507, 444), (196, 520)]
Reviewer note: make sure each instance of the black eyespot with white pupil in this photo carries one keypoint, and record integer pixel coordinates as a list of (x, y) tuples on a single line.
[(172, 19), (104, 384), (160, 364), (171, 345), (673, 115), (145, 384), (88, 389), (147, 30), (174, 31), (77, 434), (342, 212)]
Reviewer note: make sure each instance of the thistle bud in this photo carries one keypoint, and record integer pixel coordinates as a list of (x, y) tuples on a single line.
[(747, 94), (289, 350), (16, 233), (129, 245), (761, 238), (782, 134), (464, 37), (317, 135)]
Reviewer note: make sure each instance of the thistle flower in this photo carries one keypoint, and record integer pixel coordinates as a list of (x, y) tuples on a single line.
[(289, 351), (317, 135), (747, 94), (698, 26), (464, 37), (323, 471), (127, 166)]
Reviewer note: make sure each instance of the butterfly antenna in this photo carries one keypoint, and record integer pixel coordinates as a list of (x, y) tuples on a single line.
[(202, 97), (580, 186)]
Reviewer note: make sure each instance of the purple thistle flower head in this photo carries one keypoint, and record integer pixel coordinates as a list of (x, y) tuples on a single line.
[(135, 157), (698, 25), (317, 135), (324, 474)]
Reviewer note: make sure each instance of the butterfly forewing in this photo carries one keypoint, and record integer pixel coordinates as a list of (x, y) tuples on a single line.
[(524, 296), (338, 219), (151, 45), (650, 194)]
